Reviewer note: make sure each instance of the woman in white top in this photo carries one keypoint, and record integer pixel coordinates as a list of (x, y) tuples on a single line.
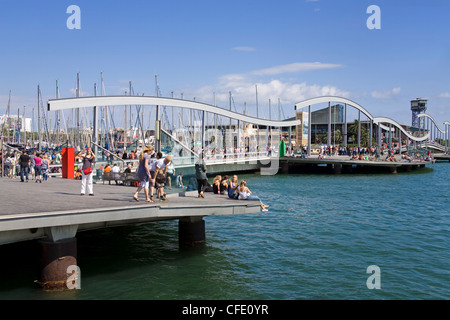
[(246, 194)]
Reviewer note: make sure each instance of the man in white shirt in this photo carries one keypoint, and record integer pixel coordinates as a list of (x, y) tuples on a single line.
[(160, 175)]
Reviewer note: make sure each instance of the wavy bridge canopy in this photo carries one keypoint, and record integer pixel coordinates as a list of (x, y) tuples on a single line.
[(426, 115), (70, 103), (323, 99), (377, 120)]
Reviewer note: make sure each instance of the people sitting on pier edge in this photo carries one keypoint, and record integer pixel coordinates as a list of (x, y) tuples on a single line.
[(220, 185), (232, 188), (216, 184), (224, 185), (246, 194)]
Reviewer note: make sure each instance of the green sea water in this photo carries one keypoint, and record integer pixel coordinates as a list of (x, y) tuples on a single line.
[(319, 237)]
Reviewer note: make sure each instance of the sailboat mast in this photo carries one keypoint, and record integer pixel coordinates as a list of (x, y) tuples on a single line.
[(77, 111), (39, 121), (95, 122), (58, 116), (9, 114), (157, 127)]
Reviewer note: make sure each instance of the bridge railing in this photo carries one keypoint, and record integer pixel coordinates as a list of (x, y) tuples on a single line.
[(234, 156)]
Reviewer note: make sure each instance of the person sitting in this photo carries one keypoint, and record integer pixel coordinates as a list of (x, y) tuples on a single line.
[(180, 181), (128, 169), (224, 185), (115, 172), (246, 194), (232, 188), (216, 184)]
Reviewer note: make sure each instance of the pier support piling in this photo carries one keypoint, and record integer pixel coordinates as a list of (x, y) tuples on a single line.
[(191, 232), (58, 252), (284, 168), (56, 258), (347, 168), (337, 168)]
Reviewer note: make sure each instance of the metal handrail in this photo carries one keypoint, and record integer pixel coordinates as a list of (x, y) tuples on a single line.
[(106, 150), (10, 147), (180, 143)]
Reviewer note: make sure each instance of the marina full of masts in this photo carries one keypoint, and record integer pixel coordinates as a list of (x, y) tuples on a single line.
[(128, 128)]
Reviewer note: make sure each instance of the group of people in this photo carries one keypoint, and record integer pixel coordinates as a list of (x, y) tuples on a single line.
[(153, 171), (223, 185), (152, 174), (35, 163)]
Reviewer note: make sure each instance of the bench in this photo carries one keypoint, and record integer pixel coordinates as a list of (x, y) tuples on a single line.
[(130, 178), (125, 178)]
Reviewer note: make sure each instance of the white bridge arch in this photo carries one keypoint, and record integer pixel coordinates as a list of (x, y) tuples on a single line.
[(376, 120), (69, 103), (426, 115)]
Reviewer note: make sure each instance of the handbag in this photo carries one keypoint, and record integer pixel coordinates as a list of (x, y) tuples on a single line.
[(87, 171)]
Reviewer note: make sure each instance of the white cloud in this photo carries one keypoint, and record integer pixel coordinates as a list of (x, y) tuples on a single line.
[(245, 49), (444, 95), (244, 90), (289, 91), (295, 68), (386, 94)]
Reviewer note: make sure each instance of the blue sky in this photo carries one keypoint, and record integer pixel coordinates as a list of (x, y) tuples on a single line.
[(292, 50)]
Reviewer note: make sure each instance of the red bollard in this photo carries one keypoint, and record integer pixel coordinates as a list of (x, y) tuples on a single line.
[(68, 163)]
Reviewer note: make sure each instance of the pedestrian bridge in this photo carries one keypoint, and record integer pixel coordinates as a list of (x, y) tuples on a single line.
[(241, 138), (430, 136)]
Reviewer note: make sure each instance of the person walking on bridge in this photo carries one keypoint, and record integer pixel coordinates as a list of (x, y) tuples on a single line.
[(143, 174)]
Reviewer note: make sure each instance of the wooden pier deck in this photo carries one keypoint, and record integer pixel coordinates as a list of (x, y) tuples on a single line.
[(29, 209)]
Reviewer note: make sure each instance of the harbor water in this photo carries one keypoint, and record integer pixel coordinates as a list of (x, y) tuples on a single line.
[(319, 237)]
